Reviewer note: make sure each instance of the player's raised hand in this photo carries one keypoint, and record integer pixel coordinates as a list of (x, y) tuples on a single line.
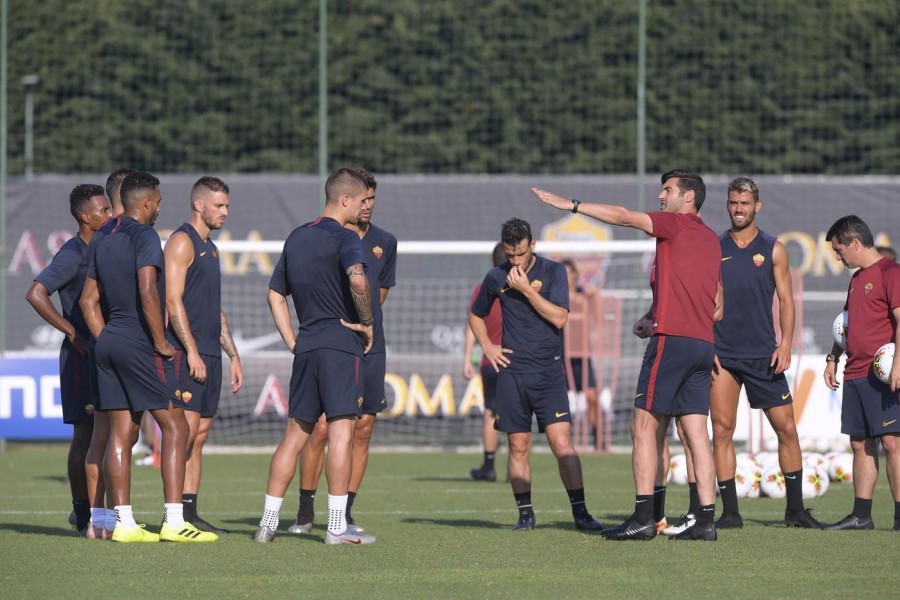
[(552, 199), (518, 280), (365, 331)]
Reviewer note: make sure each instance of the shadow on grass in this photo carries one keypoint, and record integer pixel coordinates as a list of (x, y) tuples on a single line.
[(467, 523), (54, 478), (452, 479), (38, 529)]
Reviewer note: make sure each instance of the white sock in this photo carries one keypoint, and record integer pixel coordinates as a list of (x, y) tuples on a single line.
[(337, 511), (110, 519), (174, 514), (98, 517), (270, 512), (125, 517)]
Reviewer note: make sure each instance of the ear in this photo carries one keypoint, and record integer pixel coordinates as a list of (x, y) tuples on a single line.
[(689, 198)]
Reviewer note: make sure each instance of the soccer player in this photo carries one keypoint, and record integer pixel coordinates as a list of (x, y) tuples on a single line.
[(578, 299), (199, 328), (65, 275), (380, 250), (135, 372), (323, 268), (494, 323), (754, 269), (870, 409), (534, 301), (114, 188), (676, 370)]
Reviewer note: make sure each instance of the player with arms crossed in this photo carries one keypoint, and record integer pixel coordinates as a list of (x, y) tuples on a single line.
[(323, 268), (65, 274), (870, 409), (135, 373), (676, 370), (534, 300), (380, 249), (754, 269), (198, 327)]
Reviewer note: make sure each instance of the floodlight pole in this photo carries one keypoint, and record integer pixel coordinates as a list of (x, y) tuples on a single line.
[(641, 104), (29, 82), (323, 96)]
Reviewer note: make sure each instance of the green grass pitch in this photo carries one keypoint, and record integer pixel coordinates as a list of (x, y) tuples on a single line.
[(440, 535)]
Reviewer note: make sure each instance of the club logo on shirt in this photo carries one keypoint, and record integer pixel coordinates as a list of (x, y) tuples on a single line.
[(184, 396), (537, 284), (869, 287), (89, 409), (378, 251), (758, 260)]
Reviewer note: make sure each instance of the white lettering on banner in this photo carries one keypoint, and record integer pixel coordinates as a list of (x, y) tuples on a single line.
[(26, 252), (33, 407), (272, 394)]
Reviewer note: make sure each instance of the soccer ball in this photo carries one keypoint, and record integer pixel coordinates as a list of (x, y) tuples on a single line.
[(813, 459), (743, 481), (839, 330), (767, 460), (826, 481), (814, 485), (772, 483), (756, 477), (745, 459), (884, 360), (678, 469), (841, 468)]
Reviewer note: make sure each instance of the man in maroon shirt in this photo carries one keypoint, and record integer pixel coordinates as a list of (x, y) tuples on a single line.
[(675, 376), (870, 409)]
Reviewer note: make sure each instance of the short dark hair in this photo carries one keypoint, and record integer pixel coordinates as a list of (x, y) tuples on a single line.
[(343, 181), (744, 184), (114, 182), (848, 228), (688, 180), (136, 182), (213, 184), (370, 179), (79, 196), (514, 231), (498, 256)]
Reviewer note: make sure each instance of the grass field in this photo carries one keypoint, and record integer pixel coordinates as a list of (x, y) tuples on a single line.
[(441, 535)]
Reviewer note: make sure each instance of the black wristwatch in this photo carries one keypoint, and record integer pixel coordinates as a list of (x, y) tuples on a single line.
[(575, 203), (831, 358)]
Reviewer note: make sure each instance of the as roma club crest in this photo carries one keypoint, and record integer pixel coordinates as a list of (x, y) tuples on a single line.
[(758, 260), (868, 288), (378, 251), (537, 284)]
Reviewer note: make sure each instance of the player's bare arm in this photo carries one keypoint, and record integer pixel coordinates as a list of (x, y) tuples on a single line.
[(781, 358), (719, 310), (362, 299), (494, 353), (152, 309), (608, 213), (90, 307), (281, 314), (227, 343), (831, 367), (468, 347), (556, 315), (38, 297), (179, 254), (895, 366), (383, 294)]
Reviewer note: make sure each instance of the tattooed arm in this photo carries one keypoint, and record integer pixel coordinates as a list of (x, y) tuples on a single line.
[(362, 299), (227, 343)]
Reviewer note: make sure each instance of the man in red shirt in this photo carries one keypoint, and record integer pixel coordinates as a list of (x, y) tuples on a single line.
[(494, 323), (870, 409), (675, 375)]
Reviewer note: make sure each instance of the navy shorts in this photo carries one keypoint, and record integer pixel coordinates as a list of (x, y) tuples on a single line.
[(132, 377), (869, 408), (77, 385), (577, 374), (765, 388), (373, 392), (200, 397), (521, 395), (676, 376), (326, 381), (489, 387)]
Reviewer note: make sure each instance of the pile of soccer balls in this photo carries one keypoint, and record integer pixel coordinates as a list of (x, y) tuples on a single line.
[(759, 475)]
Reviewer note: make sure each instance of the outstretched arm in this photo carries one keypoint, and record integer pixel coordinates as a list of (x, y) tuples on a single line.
[(608, 213)]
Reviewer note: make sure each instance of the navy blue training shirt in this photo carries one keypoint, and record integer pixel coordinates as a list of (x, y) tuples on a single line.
[(313, 271), (380, 249), (65, 274), (535, 342)]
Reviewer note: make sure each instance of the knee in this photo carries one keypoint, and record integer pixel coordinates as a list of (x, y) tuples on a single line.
[(787, 432), (363, 433), (891, 444), (723, 430)]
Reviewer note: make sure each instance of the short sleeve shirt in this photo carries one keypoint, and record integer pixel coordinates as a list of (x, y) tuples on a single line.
[(873, 295), (380, 249), (65, 274)]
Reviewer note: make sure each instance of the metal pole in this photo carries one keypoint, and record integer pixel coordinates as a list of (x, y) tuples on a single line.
[(28, 82), (323, 96), (641, 104), (3, 168)]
